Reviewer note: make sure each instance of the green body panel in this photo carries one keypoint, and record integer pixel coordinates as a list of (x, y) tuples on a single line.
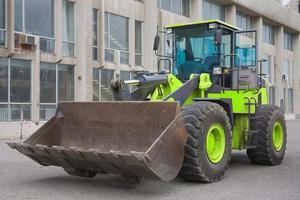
[(238, 98), (174, 83), (239, 130), (164, 90), (205, 82)]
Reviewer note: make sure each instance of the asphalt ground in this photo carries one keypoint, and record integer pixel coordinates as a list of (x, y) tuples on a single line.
[(23, 179)]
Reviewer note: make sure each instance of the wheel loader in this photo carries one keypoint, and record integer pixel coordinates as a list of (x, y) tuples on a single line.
[(207, 98)]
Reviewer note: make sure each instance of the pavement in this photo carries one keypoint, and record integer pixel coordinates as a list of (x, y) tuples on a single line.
[(23, 179)]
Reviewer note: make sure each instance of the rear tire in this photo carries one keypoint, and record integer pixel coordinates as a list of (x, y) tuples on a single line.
[(199, 165), (271, 139), (81, 173)]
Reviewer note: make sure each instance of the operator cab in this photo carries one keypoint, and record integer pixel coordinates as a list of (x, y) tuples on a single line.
[(196, 50), (212, 47)]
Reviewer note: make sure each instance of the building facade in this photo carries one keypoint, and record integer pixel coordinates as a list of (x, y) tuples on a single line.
[(69, 50)]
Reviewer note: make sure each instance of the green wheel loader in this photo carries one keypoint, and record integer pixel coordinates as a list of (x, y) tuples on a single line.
[(208, 97)]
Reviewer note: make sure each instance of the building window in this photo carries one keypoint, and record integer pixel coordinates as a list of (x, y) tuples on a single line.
[(290, 100), (56, 84), (47, 45), (272, 95), (213, 10), (267, 67), (138, 43), (95, 34), (243, 21), (18, 12), (65, 83), (127, 75), (180, 7), (4, 79), (68, 23), (47, 90), (48, 83), (101, 84), (15, 89), (167, 51), (36, 17), (288, 41), (268, 34), (2, 22), (287, 69), (141, 1), (116, 37)]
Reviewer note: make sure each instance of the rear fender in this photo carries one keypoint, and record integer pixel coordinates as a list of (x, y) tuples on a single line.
[(225, 103)]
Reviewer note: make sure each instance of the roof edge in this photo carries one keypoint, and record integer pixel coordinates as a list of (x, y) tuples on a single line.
[(203, 22)]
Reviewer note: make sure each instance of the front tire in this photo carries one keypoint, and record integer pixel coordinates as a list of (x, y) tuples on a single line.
[(271, 139), (208, 148)]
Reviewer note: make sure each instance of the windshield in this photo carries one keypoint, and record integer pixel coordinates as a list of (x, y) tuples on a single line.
[(245, 48), (196, 53)]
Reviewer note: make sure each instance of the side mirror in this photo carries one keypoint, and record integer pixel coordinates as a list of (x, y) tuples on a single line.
[(156, 42), (218, 37), (162, 63)]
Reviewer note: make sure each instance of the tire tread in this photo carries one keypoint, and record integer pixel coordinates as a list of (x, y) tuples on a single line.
[(193, 116), (262, 122)]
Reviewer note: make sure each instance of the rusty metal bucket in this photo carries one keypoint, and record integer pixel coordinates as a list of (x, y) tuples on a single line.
[(144, 139)]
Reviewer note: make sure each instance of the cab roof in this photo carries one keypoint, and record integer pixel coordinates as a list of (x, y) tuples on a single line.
[(204, 22)]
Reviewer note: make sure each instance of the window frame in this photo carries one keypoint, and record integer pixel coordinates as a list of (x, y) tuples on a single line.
[(99, 71), (5, 25), (172, 9), (95, 47), (56, 88), (248, 18), (271, 34), (272, 95), (47, 39), (9, 103), (288, 41), (24, 23), (107, 45), (132, 75), (52, 39), (73, 43), (139, 54), (290, 100), (268, 66), (212, 2), (288, 69)]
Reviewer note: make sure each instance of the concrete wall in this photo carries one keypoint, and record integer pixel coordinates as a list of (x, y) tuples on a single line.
[(16, 129)]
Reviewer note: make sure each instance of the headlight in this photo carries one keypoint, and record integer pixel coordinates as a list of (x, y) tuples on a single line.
[(217, 71), (169, 31), (212, 26)]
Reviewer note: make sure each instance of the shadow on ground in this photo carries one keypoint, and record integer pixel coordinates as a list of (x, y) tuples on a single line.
[(112, 182)]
